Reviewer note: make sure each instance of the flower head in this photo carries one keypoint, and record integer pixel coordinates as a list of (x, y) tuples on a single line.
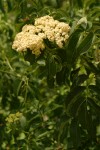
[(32, 36)]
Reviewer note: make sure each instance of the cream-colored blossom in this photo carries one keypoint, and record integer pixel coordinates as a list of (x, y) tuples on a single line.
[(42, 35), (26, 40), (54, 30), (29, 28), (43, 20), (45, 27)]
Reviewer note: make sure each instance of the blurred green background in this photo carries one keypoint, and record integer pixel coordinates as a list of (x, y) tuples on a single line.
[(44, 109)]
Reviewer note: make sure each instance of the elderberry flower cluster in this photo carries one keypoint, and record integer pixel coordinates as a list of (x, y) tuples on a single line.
[(32, 36)]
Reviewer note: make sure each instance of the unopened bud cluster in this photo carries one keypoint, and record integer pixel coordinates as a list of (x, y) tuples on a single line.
[(32, 36), (13, 117)]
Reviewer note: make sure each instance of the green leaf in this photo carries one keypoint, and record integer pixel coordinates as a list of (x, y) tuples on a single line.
[(95, 89), (21, 136), (9, 3), (53, 65), (74, 110), (12, 140), (76, 78), (63, 128), (85, 44), (80, 3), (72, 96), (74, 74), (75, 133), (71, 47), (81, 79), (22, 121), (94, 105), (23, 7), (86, 119), (62, 76), (90, 66), (29, 57), (62, 54), (83, 22), (50, 81)]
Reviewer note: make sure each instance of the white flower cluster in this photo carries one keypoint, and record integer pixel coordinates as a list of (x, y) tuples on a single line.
[(27, 39), (46, 27)]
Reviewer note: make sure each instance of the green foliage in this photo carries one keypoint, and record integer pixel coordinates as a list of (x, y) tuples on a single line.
[(57, 93)]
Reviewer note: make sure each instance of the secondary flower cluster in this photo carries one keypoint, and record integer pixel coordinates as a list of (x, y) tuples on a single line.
[(13, 117), (32, 36)]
